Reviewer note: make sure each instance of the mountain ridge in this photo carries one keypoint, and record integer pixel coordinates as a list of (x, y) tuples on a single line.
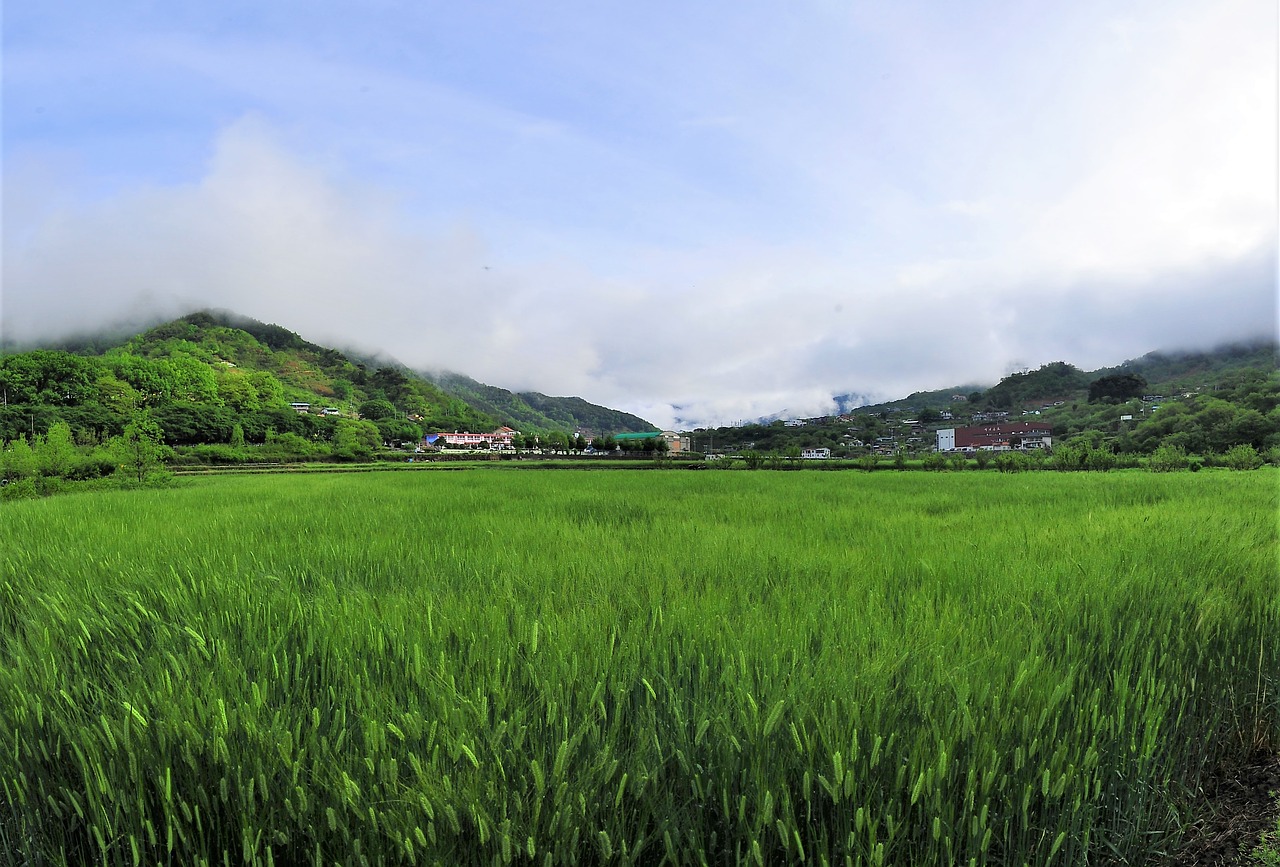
[(309, 372)]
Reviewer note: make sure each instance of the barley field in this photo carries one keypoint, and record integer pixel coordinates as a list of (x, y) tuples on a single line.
[(623, 667)]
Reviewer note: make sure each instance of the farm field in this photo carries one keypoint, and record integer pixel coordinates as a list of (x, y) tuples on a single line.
[(481, 667)]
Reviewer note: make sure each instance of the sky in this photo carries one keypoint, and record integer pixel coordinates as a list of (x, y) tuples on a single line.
[(697, 212)]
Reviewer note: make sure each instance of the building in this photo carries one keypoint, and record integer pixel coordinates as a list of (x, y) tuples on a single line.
[(1021, 435), (498, 439), (815, 454), (302, 408), (634, 442), (677, 443)]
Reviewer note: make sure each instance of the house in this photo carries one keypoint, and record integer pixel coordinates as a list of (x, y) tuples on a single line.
[(815, 454), (1021, 435), (302, 408)]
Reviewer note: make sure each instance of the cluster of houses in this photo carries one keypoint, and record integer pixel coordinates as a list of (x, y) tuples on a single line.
[(502, 439), (305, 408)]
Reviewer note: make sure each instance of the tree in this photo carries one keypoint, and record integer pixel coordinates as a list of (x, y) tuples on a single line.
[(391, 382), (236, 389), (376, 409), (557, 441), (1117, 388), (19, 460), (355, 439), (270, 390), (398, 430), (140, 450), (56, 452), (237, 436), (1167, 458), (1243, 457)]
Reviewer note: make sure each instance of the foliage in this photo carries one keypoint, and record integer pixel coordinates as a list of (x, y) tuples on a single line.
[(140, 450), (20, 461), (1052, 380), (1117, 387), (1167, 459), (355, 439), (935, 461), (1242, 457), (1012, 462), (577, 672)]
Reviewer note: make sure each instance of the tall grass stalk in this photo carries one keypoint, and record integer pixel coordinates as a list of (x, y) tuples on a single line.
[(579, 668)]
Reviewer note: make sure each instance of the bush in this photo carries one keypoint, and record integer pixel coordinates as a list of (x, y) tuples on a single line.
[(19, 489), (935, 461), (1100, 460), (1242, 457), (1167, 459), (95, 466), (1012, 462), (1068, 458)]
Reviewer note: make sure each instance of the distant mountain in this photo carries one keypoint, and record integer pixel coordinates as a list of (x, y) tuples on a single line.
[(1164, 371), (531, 410), (1202, 402)]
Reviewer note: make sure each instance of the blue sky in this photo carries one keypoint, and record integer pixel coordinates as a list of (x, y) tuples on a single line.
[(697, 212)]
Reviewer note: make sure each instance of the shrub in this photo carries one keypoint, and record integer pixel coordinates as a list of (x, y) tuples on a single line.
[(935, 461), (19, 489), (1167, 459), (1100, 459), (1012, 462), (1068, 458), (1242, 457)]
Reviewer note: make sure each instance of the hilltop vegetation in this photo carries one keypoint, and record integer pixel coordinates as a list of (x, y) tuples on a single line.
[(1201, 403), (533, 411), (216, 378)]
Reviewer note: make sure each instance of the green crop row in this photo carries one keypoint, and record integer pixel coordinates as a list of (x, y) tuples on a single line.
[(630, 667)]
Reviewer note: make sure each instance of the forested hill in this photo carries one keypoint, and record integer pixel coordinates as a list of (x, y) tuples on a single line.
[(530, 410), (1201, 402), (213, 377)]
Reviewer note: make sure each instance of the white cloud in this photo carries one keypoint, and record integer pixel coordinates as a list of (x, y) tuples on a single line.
[(749, 223)]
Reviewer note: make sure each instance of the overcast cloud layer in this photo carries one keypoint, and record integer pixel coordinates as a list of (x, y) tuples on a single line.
[(696, 215)]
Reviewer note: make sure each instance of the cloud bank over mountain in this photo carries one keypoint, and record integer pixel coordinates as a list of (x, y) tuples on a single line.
[(748, 221)]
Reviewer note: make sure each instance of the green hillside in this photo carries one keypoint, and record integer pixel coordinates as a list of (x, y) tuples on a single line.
[(213, 377), (532, 411), (206, 374), (1202, 402)]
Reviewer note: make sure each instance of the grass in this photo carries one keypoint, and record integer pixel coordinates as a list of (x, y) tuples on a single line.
[(631, 667)]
